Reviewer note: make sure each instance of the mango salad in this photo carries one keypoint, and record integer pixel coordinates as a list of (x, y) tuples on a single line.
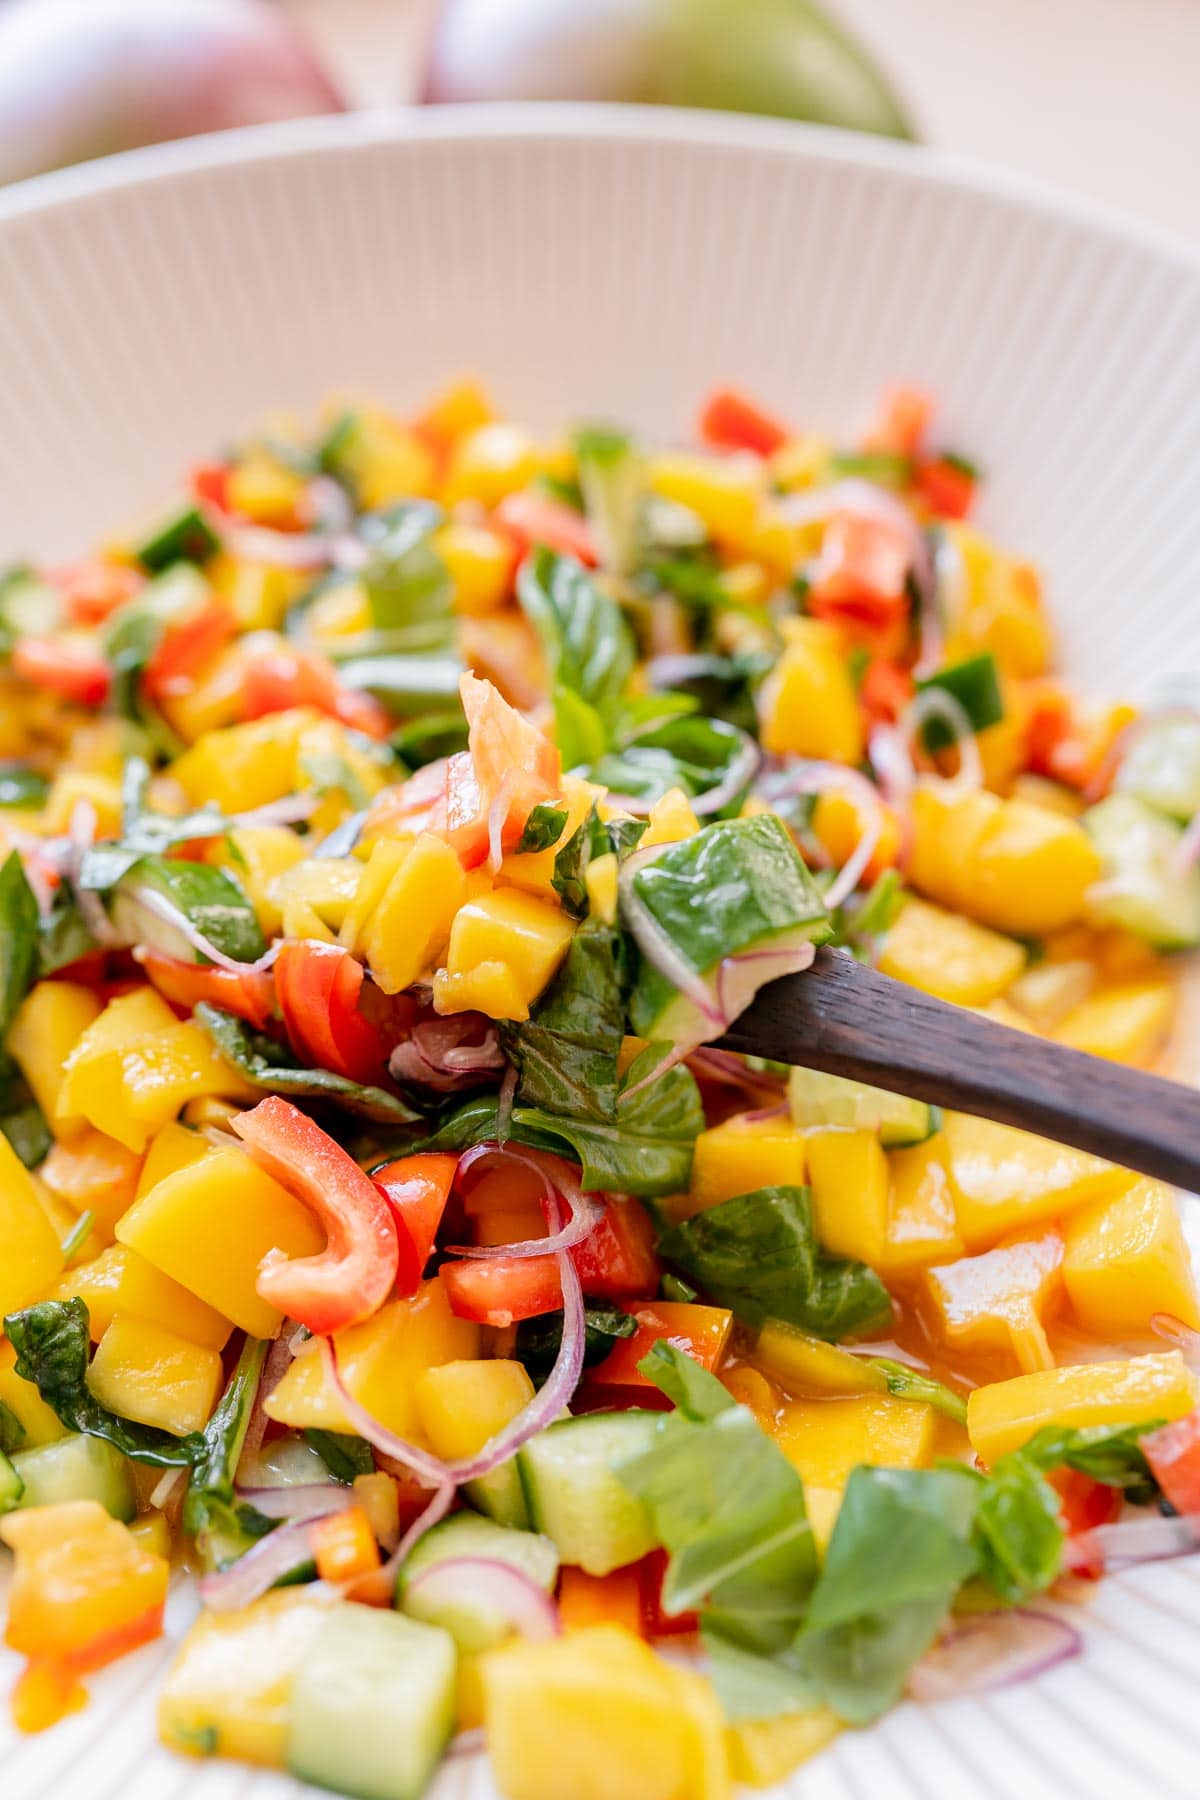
[(391, 828)]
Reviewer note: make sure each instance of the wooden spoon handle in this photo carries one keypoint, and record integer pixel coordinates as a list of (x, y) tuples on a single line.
[(846, 1019)]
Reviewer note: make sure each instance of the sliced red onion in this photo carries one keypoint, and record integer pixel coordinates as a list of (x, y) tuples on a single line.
[(291, 810), (740, 977), (867, 501), (278, 1361), (504, 1104), (657, 947), (557, 1182), (164, 1487), (316, 1501), (762, 1114), (255, 1573), (485, 1581), (936, 703), (943, 599), (81, 834), (1154, 1538), (993, 1650), (1187, 1341), (851, 871), (729, 1069), (445, 1054), (329, 504), (291, 549), (154, 902), (467, 1743)]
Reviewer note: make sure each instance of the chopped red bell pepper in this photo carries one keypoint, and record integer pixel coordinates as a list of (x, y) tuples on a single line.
[(1084, 1504), (1173, 1452), (417, 1189), (701, 1332), (318, 987), (355, 1273), (656, 1623), (885, 691), (530, 519), (731, 421), (904, 417), (947, 487), (248, 994), (617, 1262), (279, 677), (210, 484), (186, 645), (93, 590), (862, 571), (65, 666)]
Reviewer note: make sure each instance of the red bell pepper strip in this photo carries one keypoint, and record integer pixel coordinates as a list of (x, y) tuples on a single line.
[(656, 1623), (731, 421), (530, 519), (249, 995), (1173, 1452), (279, 678), (885, 691), (1084, 1504), (210, 484), (617, 1262), (64, 666), (903, 421), (947, 488), (318, 987), (355, 1273), (185, 646), (417, 1189), (862, 571), (93, 590), (701, 1332)]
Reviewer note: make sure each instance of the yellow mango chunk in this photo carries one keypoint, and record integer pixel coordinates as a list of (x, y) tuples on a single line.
[(1127, 1022), (808, 1365), (69, 787), (534, 869), (38, 1421), (93, 1173), (807, 705), (1007, 864), (601, 881), (948, 956), (121, 1281), (921, 1224), (327, 884), (410, 924), (30, 1256), (460, 407), (227, 1693), (1000, 1300), (210, 1225), (1005, 1180), (723, 491), (480, 564), (258, 855), (244, 766), (265, 489), (671, 819), (596, 1715), (850, 1180), (494, 460), (1047, 993), (765, 1751), (527, 935), (1126, 1260), (380, 1362), (49, 1023), (463, 1404), (490, 987), (1005, 1414), (825, 1439), (211, 700), (258, 593), (740, 1155), (174, 1147), (153, 1375)]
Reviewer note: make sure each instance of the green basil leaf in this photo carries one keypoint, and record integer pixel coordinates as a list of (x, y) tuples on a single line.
[(544, 826), (18, 938), (223, 1526), (588, 646), (567, 1053), (265, 1064), (210, 898), (692, 1389), (408, 586), (539, 1339), (12, 1432), (22, 786), (344, 1455)]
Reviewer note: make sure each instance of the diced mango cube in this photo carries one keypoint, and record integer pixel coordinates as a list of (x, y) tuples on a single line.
[(39, 1422), (1012, 866), (765, 1751), (1000, 1300), (93, 1173), (258, 855), (174, 1147), (49, 1023), (671, 819), (1005, 1414), (740, 1155), (121, 1281), (210, 1225), (328, 884), (31, 1255), (808, 1365), (480, 562), (1127, 1022), (71, 786), (380, 1362), (948, 956), (244, 766), (1126, 1260), (527, 935), (1005, 1180), (921, 1223), (410, 925), (265, 489), (849, 1178), (807, 705), (211, 700), (259, 594), (825, 1439), (534, 869), (723, 491), (494, 460), (601, 879), (144, 1372), (1048, 992), (490, 987), (463, 1404)]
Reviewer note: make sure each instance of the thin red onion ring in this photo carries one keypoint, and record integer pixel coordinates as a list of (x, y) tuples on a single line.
[(485, 1581), (993, 1650), (936, 703), (260, 1568), (315, 1500), (81, 834), (557, 1182), (854, 495), (1156, 1538), (278, 1362)]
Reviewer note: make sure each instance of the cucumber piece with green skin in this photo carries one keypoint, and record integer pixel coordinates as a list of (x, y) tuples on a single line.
[(501, 1496), (372, 1704), (473, 1624), (739, 885), (209, 897), (11, 1485), (975, 684), (182, 536), (576, 1500), (1143, 888), (816, 1099), (77, 1467), (1162, 766)]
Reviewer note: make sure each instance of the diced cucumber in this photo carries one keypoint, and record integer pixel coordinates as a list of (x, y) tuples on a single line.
[(817, 1099), (738, 885), (29, 606), (77, 1468), (11, 1485), (184, 535), (575, 1498), (1162, 765), (1143, 888), (209, 897), (975, 684), (501, 1496), (372, 1704), (472, 1623)]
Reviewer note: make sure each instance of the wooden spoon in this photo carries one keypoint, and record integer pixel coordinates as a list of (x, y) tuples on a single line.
[(846, 1019)]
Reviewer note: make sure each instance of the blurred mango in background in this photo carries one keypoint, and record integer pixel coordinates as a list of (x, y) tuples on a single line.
[(85, 78)]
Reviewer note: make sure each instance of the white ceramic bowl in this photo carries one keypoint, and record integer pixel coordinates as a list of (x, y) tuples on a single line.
[(590, 261)]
